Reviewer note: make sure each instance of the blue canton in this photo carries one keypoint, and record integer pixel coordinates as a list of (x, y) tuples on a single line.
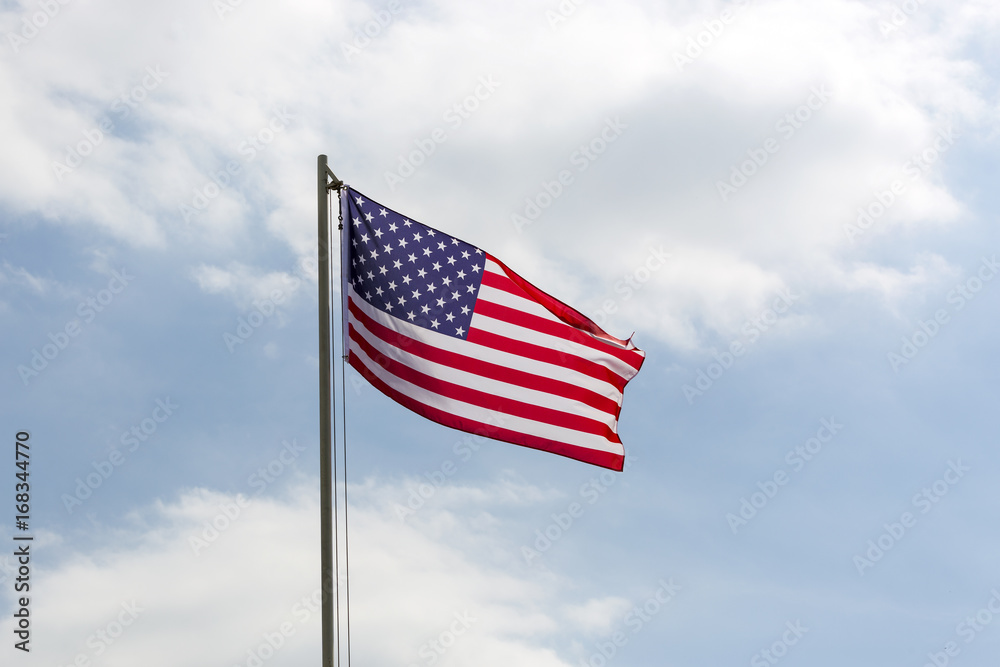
[(411, 271)]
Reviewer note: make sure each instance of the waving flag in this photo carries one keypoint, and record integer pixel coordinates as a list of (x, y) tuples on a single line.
[(451, 333)]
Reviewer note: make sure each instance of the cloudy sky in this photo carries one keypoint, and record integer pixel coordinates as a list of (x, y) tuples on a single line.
[(789, 203)]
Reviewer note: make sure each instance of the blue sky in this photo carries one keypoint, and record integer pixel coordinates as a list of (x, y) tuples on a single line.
[(158, 187)]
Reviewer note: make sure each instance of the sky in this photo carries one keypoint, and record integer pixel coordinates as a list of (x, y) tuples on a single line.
[(790, 205)]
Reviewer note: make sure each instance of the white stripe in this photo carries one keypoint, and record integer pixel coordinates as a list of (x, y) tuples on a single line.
[(529, 305), (505, 298), (486, 416), (498, 357), (488, 385), (526, 335)]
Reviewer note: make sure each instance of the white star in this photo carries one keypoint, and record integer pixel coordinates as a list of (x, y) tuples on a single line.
[(465, 254), (455, 296), (478, 251), (421, 273), (392, 227), (369, 217), (440, 302), (392, 284), (396, 264), (388, 248), (413, 257), (427, 252), (364, 237), (425, 309), (378, 233), (354, 242), (417, 237), (371, 274), (449, 316), (374, 254), (436, 266), (406, 280), (402, 242), (388, 306), (360, 201), (416, 294), (431, 287), (441, 245), (411, 316), (446, 280), (378, 291), (382, 212), (383, 270), (477, 268), (435, 324), (465, 310), (368, 296), (471, 289), (406, 223), (430, 232), (461, 275), (459, 331), (454, 241), (402, 300), (451, 260)]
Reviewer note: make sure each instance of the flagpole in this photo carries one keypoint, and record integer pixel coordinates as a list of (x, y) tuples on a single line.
[(325, 407)]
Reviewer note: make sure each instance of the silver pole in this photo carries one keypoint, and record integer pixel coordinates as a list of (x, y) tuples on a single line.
[(325, 407)]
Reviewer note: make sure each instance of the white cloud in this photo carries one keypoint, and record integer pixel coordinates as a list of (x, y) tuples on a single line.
[(212, 594), (246, 284), (688, 127)]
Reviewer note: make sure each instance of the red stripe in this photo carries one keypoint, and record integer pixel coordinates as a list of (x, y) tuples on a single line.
[(565, 313), (485, 368), (547, 355), (557, 329), (609, 460), (481, 398)]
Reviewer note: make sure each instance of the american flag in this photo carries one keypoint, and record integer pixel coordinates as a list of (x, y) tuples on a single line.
[(448, 331)]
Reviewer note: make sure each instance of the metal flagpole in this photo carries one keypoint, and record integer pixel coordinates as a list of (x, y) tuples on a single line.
[(327, 573)]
